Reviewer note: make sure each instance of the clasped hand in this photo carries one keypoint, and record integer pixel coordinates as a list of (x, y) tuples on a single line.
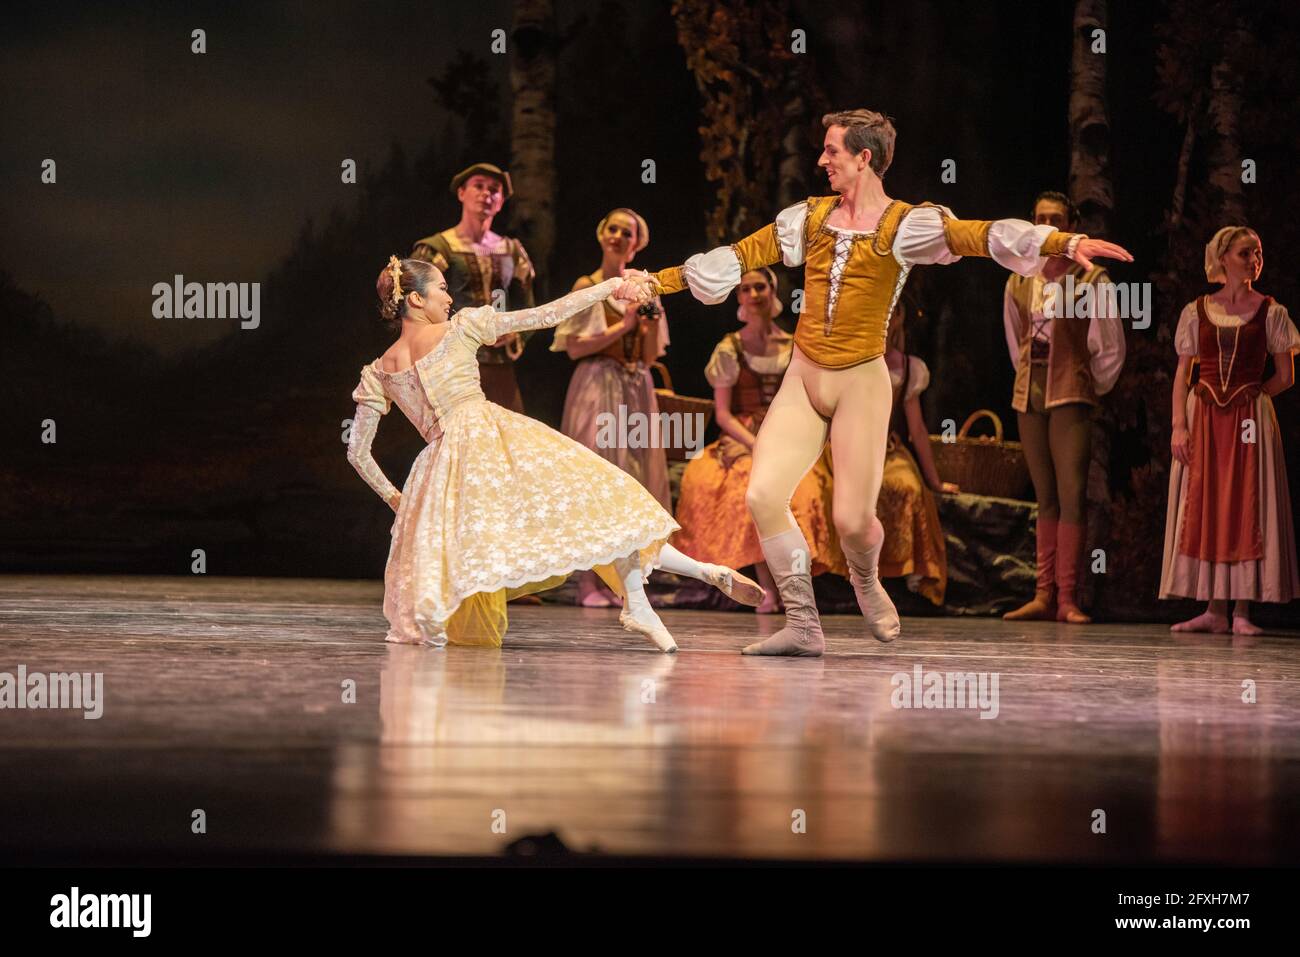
[(637, 286)]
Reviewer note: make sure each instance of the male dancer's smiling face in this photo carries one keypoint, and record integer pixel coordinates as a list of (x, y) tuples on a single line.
[(842, 167)]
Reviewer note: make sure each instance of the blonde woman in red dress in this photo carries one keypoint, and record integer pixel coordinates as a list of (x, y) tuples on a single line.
[(1229, 535)]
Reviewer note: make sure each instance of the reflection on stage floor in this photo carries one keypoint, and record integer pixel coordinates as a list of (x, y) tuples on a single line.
[(274, 708)]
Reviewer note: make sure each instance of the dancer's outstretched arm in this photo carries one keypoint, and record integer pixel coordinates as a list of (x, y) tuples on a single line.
[(372, 405), (486, 324), (928, 234), (932, 234), (713, 275)]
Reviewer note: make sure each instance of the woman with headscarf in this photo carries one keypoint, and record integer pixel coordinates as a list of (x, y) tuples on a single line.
[(613, 346), (1228, 530)]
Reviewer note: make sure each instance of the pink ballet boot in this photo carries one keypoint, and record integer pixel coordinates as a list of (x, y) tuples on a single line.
[(789, 560), (1069, 537), (874, 602), (1042, 607)]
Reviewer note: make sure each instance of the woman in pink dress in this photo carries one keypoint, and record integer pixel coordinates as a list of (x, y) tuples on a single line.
[(613, 345), (1228, 530), (497, 504)]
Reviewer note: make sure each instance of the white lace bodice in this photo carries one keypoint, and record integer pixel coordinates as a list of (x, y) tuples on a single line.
[(446, 377)]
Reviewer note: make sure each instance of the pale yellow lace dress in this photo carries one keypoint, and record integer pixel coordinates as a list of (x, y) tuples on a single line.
[(497, 504)]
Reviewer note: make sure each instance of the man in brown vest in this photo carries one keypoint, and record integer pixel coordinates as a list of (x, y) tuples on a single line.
[(481, 267), (1067, 349)]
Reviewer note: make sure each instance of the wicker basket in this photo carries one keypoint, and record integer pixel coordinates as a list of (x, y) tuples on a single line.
[(984, 465), (669, 401)]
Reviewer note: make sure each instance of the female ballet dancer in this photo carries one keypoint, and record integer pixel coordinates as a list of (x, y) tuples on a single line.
[(1228, 529), (858, 248), (497, 504)]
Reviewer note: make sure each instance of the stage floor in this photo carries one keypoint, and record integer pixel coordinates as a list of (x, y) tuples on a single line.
[(227, 697)]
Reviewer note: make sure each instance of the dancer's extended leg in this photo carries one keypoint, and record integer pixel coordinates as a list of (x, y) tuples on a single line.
[(727, 580), (789, 442), (859, 435)]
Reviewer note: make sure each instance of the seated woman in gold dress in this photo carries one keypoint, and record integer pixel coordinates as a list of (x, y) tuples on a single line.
[(914, 546)]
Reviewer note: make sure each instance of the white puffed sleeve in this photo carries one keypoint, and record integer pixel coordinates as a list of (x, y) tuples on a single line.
[(1281, 331), (918, 377), (711, 276), (1012, 243), (1185, 338), (789, 233), (723, 368), (1106, 349), (662, 327), (1105, 341), (920, 240), (589, 322), (1011, 325)]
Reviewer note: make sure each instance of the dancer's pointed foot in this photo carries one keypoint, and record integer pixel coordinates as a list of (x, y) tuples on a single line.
[(768, 606), (1071, 614), (733, 584), (1241, 625), (877, 607), (645, 622), (1042, 607), (1206, 621)]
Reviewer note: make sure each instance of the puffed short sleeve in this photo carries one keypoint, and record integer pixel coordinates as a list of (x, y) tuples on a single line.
[(1185, 343), (1281, 331), (370, 391), (723, 369), (476, 324), (918, 377)]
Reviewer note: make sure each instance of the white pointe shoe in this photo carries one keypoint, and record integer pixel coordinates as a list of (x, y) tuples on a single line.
[(654, 630), (734, 585)]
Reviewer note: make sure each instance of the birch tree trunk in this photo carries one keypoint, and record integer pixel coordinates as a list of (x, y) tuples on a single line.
[(1224, 113), (1090, 185), (533, 46), (1091, 190)]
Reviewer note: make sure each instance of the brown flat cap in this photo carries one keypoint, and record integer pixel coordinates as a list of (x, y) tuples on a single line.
[(486, 169)]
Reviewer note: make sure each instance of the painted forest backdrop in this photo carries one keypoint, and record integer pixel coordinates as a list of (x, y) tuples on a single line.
[(236, 446)]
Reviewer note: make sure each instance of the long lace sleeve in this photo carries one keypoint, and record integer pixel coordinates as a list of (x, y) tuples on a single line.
[(372, 405), (485, 324)]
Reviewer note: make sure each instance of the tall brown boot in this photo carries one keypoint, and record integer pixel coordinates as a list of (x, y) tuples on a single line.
[(873, 601), (1042, 607), (790, 561), (1070, 551)]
